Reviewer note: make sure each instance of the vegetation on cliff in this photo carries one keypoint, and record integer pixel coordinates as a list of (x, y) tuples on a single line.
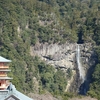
[(23, 23), (95, 85)]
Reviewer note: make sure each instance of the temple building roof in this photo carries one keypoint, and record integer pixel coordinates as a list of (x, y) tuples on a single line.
[(12, 94), (2, 59)]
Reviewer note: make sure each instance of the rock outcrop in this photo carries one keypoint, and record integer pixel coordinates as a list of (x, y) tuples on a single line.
[(57, 55), (83, 98), (64, 57), (47, 96)]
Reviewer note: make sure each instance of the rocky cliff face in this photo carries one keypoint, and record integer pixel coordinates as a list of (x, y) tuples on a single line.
[(58, 55), (88, 57), (64, 57), (88, 60)]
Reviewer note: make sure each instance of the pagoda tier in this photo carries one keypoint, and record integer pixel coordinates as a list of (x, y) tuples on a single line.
[(4, 68), (4, 84)]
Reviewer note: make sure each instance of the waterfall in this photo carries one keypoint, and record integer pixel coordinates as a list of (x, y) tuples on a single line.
[(80, 68)]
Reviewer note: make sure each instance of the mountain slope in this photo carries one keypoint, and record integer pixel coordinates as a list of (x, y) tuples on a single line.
[(25, 23)]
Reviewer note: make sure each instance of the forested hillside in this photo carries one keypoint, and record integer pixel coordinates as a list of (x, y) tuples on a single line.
[(24, 23)]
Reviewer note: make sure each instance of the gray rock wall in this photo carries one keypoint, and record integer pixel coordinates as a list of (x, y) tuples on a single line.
[(64, 57), (57, 55)]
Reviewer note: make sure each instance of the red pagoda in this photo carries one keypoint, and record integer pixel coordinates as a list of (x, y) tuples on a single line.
[(7, 89), (4, 69)]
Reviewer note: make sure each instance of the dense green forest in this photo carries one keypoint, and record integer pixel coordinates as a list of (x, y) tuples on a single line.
[(23, 23)]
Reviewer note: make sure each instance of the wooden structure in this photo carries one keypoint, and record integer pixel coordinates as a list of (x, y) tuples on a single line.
[(7, 89), (4, 69)]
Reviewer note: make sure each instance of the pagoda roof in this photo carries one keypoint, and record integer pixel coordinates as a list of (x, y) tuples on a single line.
[(2, 59)]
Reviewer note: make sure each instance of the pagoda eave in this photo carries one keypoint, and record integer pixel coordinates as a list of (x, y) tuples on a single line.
[(5, 78), (2, 59), (7, 70)]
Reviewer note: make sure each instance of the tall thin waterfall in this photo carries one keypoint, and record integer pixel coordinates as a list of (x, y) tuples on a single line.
[(80, 68)]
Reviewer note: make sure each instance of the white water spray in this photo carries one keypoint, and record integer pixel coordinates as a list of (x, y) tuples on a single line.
[(80, 68)]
